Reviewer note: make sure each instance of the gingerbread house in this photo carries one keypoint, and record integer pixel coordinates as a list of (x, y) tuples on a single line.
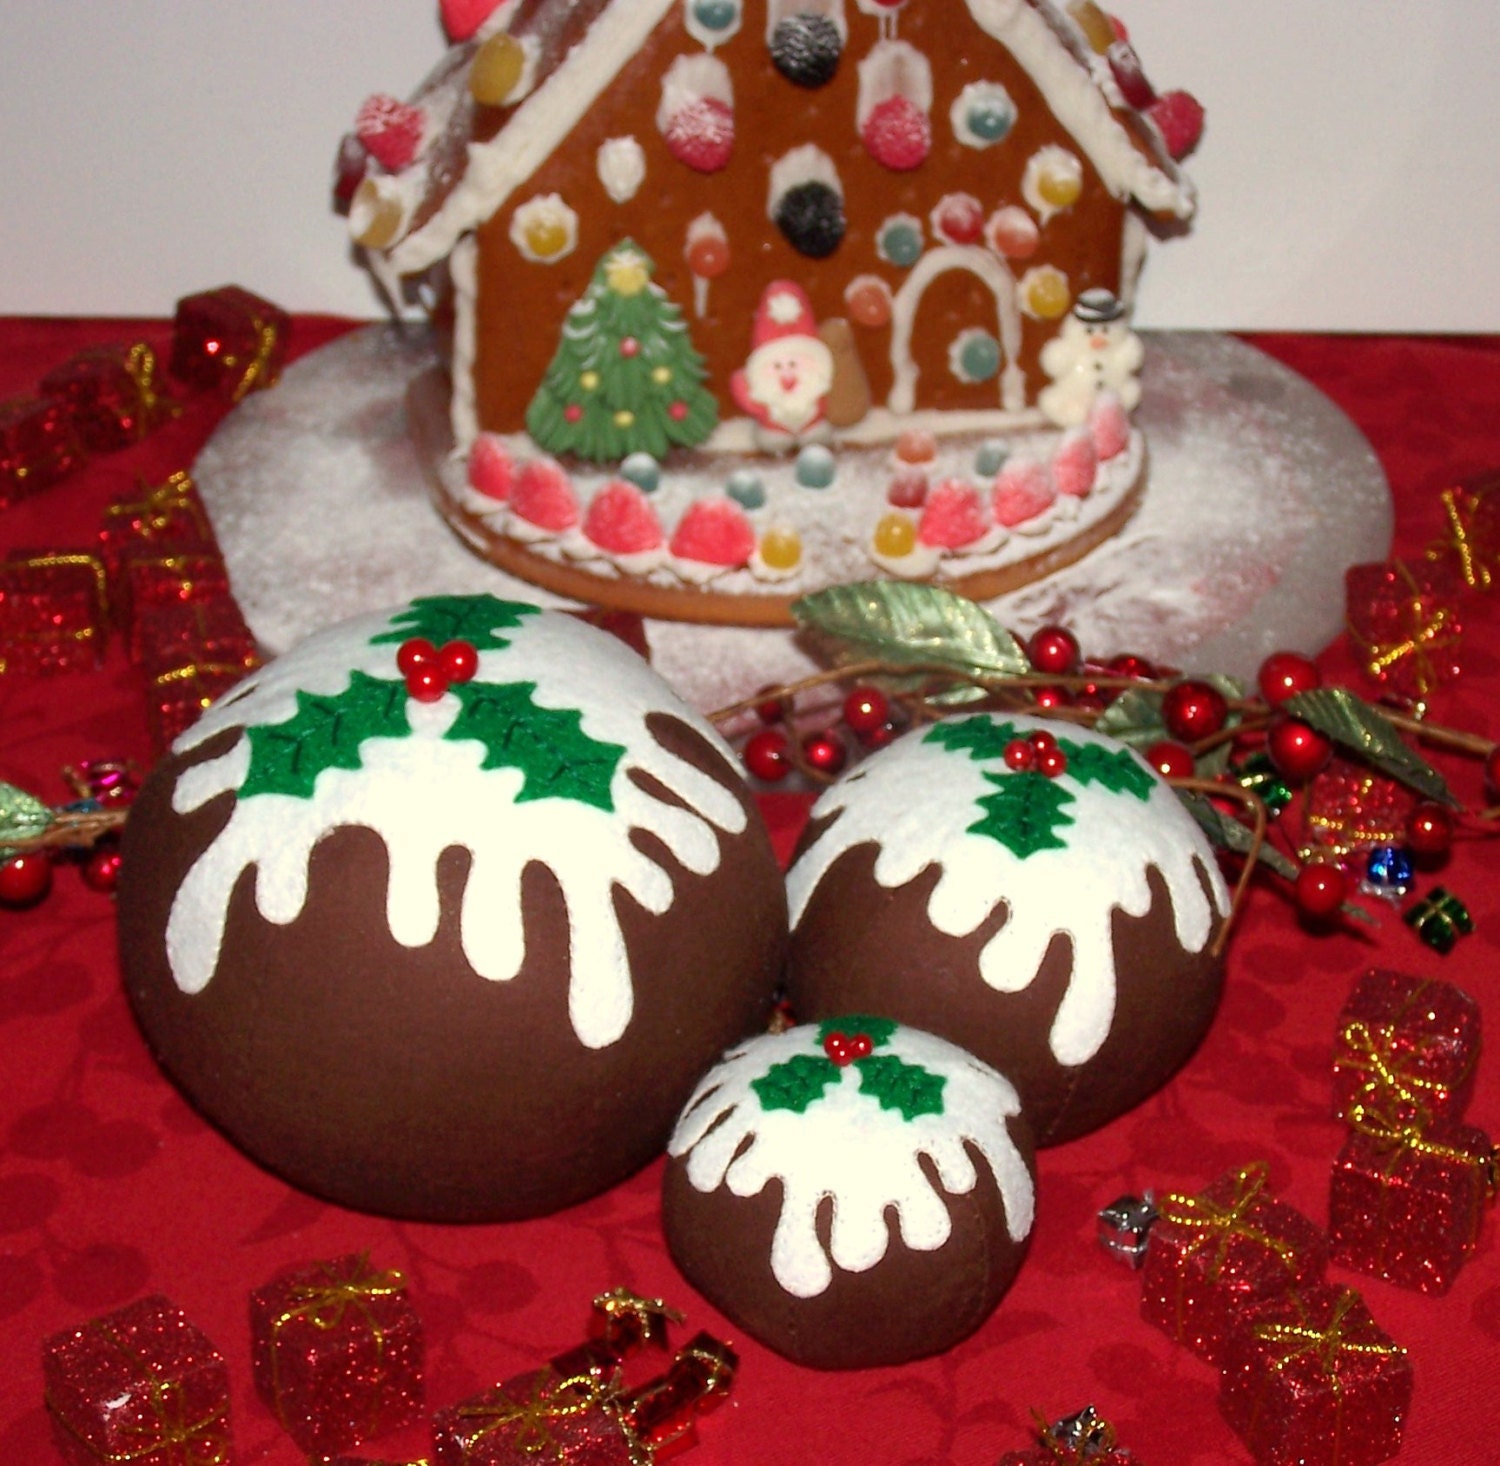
[(940, 180)]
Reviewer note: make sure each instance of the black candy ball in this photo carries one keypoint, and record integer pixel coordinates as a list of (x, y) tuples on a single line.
[(806, 49), (811, 216)]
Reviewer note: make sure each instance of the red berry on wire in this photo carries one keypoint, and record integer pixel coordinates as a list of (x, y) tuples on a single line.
[(770, 709), (1052, 761), (1298, 750), (766, 755), (866, 710), (459, 661), (413, 655), (1429, 829), (100, 870), (1019, 755), (1048, 698), (1193, 710), (1170, 759), (1321, 890), (1284, 674), (1053, 650), (825, 751), (25, 878), (1128, 665)]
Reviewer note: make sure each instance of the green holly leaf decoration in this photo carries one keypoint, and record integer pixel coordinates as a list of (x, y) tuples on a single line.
[(877, 1030), (474, 619), (1113, 768), (324, 733), (795, 1083), (1024, 813), (978, 736), (1352, 723), (898, 1085), (22, 817), (548, 745), (908, 623)]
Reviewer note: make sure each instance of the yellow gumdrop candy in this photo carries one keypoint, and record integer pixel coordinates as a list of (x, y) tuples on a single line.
[(781, 549), (375, 218), (1047, 295), (496, 72), (895, 536), (1094, 24), (547, 238), (1059, 189)]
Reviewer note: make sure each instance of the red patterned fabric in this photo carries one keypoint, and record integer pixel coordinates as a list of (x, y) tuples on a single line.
[(111, 1187)]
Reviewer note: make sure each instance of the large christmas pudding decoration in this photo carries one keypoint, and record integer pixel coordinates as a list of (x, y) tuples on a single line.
[(1038, 895), (443, 913), (852, 1193)]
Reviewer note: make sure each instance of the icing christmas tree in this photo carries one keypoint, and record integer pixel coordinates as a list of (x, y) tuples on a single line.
[(528, 758), (847, 1109)]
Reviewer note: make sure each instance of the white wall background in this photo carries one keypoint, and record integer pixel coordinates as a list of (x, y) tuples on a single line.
[(151, 148)]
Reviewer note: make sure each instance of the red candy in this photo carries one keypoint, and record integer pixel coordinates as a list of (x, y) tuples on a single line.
[(543, 496), (897, 134), (141, 1385), (1211, 1255), (622, 521), (715, 532), (1310, 1379), (1179, 115), (492, 471), (337, 1352), (391, 131), (953, 516), (1075, 465), (700, 134)]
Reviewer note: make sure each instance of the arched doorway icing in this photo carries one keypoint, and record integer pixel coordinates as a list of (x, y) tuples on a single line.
[(1001, 284)]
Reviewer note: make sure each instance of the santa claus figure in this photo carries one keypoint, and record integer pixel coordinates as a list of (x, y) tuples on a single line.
[(1094, 351), (785, 380)]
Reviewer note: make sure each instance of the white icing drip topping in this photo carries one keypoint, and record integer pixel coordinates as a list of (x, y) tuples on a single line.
[(622, 168), (847, 1147), (426, 793), (916, 801)]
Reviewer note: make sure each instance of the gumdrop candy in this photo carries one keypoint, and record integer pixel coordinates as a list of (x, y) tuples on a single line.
[(714, 532), (1075, 464), (806, 49), (700, 134), (462, 18), (897, 134), (621, 521), (1129, 77), (953, 516), (492, 471), (1023, 489), (543, 496), (391, 131), (1110, 425), (1179, 117)]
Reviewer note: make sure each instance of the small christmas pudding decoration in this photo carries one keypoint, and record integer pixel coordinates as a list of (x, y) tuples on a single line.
[(852, 1193), (1033, 892), (443, 913)]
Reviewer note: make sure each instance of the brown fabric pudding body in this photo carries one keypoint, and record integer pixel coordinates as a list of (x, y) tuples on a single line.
[(396, 1079)]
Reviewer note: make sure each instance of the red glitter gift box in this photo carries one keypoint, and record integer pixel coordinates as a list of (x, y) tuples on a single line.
[(229, 340), (1407, 1204), (152, 579), (337, 1352), (1404, 624), (113, 393), (51, 612), (168, 514), (1407, 1047), (141, 1385), (179, 695), (1310, 1379), (1211, 1255), (167, 636), (38, 446)]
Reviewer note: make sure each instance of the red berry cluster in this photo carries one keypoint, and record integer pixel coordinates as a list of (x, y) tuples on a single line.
[(1036, 752), (768, 753), (430, 671)]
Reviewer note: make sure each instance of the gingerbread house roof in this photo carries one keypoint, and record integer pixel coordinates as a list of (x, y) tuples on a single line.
[(471, 164)]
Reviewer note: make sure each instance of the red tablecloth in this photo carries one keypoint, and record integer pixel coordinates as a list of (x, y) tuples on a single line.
[(111, 1187)]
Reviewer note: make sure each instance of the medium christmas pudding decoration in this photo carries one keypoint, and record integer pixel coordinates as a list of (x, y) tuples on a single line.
[(1040, 896), (443, 913), (852, 1193)]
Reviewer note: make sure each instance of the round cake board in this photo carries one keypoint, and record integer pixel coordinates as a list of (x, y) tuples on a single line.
[(1260, 494)]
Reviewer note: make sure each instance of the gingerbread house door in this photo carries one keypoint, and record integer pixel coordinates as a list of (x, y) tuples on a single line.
[(906, 304)]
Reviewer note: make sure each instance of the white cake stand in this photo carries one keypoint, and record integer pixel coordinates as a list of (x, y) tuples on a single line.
[(1260, 494)]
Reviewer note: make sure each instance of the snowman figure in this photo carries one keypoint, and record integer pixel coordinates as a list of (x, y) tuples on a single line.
[(1094, 351), (785, 381)]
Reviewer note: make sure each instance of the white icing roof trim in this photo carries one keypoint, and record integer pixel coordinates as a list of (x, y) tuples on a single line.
[(496, 168)]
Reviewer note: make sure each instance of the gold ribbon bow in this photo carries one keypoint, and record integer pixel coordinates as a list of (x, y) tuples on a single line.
[(1326, 1345), (1220, 1225), (1473, 555), (626, 1313), (1403, 1138), (534, 1416), (260, 370), (1385, 1073), (140, 364), (1431, 628), (161, 503)]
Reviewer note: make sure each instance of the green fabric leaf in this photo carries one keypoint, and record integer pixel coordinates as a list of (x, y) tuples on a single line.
[(1364, 730), (1113, 768), (898, 1085), (548, 745), (1229, 834), (1134, 718), (22, 817), (877, 1030), (325, 732), (904, 622), (474, 619), (795, 1083), (1025, 813), (979, 736)]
